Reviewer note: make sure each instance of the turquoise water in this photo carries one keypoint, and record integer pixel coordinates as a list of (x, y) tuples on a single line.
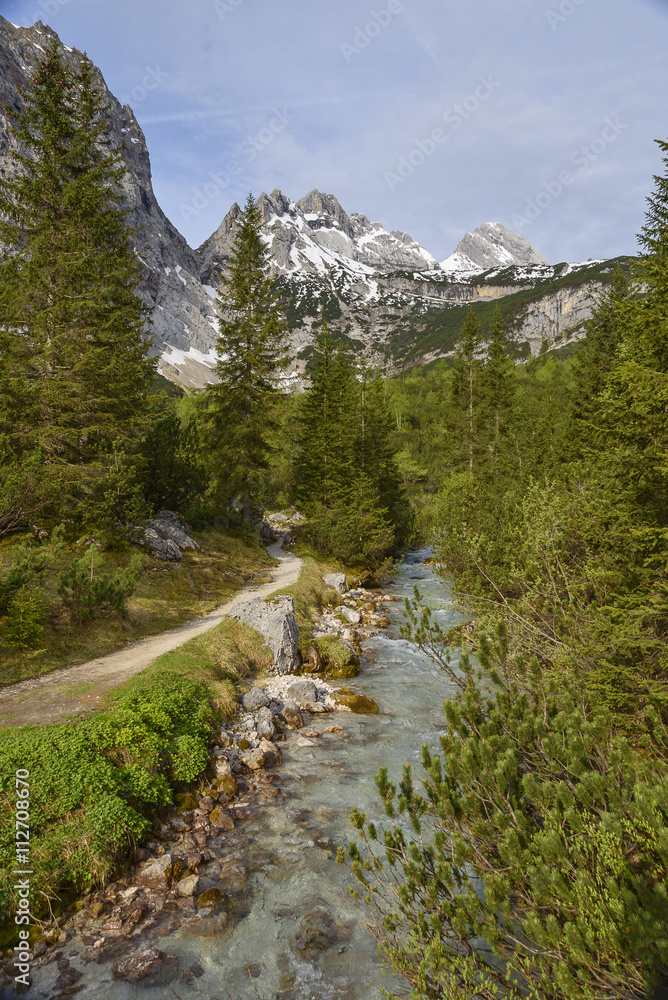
[(294, 932)]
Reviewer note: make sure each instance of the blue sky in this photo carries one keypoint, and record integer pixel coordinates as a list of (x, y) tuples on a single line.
[(430, 116)]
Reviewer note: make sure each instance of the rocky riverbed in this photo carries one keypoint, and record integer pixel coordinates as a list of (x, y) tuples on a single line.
[(191, 876)]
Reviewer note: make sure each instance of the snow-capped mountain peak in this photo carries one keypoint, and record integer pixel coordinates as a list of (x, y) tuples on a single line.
[(314, 234), (491, 245)]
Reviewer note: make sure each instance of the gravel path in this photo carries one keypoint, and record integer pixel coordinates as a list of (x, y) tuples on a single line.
[(80, 688)]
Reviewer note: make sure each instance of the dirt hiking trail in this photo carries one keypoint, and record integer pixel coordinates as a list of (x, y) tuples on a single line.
[(81, 688)]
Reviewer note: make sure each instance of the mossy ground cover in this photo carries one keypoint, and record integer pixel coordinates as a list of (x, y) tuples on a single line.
[(96, 785), (167, 596)]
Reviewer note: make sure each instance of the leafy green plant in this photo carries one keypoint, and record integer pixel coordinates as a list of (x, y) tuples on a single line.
[(95, 785)]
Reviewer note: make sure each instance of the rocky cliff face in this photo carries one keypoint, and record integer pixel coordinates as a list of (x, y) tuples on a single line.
[(380, 289), (558, 319), (183, 314)]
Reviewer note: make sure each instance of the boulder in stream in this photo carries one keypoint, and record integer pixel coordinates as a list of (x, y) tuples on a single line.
[(149, 968), (358, 703)]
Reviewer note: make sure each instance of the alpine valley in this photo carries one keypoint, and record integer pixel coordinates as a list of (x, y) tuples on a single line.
[(380, 291)]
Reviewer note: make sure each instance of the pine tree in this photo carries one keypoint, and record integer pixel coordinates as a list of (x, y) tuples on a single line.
[(653, 271), (631, 419), (597, 355), (74, 367), (496, 390), (375, 454), (325, 455), (467, 374), (251, 349)]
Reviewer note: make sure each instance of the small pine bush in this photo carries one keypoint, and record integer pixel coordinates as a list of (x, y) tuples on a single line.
[(23, 626), (87, 592)]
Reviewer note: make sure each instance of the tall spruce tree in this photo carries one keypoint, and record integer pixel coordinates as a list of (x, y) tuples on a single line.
[(653, 271), (251, 346), (375, 454), (497, 391), (468, 366), (73, 356), (325, 456), (596, 357)]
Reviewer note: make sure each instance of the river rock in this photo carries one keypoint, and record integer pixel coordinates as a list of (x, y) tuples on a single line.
[(358, 703), (317, 932), (155, 876), (266, 729), (222, 769), (301, 690), (254, 699), (291, 716), (189, 886), (210, 899), (254, 759), (272, 756), (337, 581), (276, 621), (149, 968), (351, 615), (68, 975), (221, 819)]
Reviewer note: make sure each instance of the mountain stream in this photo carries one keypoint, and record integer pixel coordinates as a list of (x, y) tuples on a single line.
[(293, 931)]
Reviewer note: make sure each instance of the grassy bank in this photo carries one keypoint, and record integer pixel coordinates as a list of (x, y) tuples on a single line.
[(309, 592), (167, 595), (96, 785)]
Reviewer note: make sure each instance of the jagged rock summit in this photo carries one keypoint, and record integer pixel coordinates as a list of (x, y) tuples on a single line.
[(492, 245), (315, 235), (380, 290)]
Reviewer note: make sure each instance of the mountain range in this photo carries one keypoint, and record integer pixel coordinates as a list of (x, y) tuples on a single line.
[(380, 291)]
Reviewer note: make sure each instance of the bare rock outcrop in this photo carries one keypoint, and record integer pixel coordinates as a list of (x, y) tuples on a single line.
[(275, 620), (165, 536)]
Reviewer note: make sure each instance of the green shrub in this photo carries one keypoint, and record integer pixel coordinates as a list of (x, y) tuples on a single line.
[(95, 785), (537, 864), (23, 626), (30, 560), (86, 591)]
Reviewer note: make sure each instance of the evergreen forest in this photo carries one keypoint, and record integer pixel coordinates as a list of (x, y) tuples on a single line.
[(530, 858)]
